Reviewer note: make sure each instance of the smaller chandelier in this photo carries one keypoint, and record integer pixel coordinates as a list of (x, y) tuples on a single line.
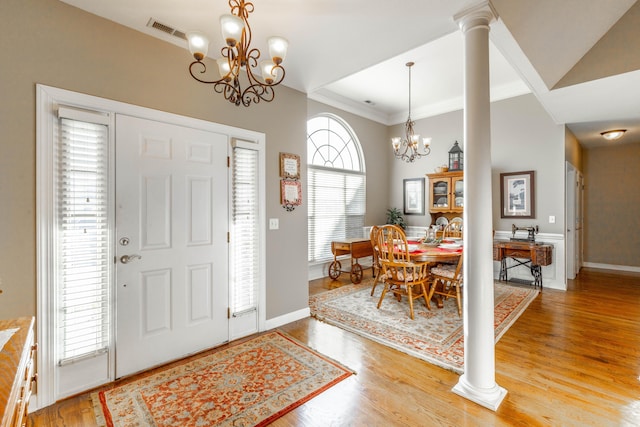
[(408, 149), (239, 58)]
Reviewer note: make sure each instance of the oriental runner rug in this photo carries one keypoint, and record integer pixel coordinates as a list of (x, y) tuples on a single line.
[(435, 335), (248, 384)]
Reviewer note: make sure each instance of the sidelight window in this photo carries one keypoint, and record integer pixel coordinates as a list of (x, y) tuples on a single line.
[(82, 273)]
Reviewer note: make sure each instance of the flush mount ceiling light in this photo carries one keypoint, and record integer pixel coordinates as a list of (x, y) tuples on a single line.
[(408, 149), (610, 135), (239, 58)]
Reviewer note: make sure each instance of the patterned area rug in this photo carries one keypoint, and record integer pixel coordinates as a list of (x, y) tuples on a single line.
[(435, 336), (249, 384)]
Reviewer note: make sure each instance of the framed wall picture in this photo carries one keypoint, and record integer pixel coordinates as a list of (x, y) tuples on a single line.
[(413, 196), (289, 165), (517, 195), (290, 192)]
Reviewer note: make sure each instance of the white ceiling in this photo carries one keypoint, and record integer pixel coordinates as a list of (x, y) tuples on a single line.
[(352, 54)]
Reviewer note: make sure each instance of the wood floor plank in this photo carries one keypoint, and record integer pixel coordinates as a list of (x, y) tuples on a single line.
[(572, 359)]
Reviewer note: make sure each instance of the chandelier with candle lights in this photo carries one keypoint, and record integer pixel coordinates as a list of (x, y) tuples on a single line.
[(408, 148), (239, 59)]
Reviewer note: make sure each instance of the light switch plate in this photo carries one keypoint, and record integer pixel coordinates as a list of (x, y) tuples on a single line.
[(274, 223), (552, 219)]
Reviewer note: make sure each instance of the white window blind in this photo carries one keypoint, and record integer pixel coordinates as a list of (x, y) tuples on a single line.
[(245, 232), (336, 209), (82, 288), (336, 185)]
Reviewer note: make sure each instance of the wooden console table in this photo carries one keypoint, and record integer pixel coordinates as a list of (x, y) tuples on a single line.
[(530, 254), (16, 372)]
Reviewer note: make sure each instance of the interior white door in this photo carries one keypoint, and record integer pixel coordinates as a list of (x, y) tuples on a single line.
[(171, 242)]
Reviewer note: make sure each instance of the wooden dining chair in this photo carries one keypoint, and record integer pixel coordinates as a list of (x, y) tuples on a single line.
[(400, 275), (453, 228), (446, 281), (377, 268)]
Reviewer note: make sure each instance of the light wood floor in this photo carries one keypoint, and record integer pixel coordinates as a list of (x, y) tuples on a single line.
[(572, 359)]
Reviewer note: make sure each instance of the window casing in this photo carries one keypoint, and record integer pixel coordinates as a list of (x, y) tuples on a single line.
[(82, 207)]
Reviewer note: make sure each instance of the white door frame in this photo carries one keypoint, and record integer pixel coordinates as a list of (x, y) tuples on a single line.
[(570, 220), (47, 100), (574, 211)]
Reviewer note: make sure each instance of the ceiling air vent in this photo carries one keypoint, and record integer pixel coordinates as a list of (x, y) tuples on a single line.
[(166, 29)]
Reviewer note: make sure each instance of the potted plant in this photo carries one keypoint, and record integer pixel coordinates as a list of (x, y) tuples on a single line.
[(394, 216)]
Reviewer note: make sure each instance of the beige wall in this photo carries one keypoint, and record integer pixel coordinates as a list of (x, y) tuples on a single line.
[(572, 149), (49, 42), (611, 198)]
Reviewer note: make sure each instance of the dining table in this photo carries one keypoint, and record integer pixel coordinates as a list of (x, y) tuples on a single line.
[(434, 254)]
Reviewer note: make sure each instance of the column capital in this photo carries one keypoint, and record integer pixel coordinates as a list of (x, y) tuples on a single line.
[(478, 15)]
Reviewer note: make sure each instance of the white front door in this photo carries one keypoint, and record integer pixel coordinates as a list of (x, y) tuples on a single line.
[(171, 242)]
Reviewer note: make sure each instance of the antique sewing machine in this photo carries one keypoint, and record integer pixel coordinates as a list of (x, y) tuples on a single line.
[(531, 232), (523, 251)]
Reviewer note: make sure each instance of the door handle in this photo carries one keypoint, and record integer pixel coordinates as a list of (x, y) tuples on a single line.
[(126, 259)]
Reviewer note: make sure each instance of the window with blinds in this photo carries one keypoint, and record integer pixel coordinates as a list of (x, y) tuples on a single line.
[(245, 242), (336, 185), (82, 282)]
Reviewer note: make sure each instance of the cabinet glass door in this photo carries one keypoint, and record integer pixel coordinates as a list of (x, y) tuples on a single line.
[(440, 194), (458, 193)]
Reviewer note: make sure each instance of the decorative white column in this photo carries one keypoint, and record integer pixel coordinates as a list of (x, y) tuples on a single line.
[(478, 381)]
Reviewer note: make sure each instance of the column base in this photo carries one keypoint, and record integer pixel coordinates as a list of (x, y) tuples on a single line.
[(489, 398)]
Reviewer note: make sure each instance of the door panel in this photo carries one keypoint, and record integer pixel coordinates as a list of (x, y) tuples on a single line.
[(155, 204), (155, 303), (172, 206), (198, 288), (199, 210)]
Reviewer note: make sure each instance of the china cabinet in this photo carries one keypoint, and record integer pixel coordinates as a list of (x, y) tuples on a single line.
[(446, 192), (445, 198)]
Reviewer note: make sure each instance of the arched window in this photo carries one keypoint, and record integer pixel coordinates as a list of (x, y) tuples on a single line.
[(336, 184)]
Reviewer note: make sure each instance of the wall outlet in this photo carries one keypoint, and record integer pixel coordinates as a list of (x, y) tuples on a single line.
[(274, 223), (552, 219)]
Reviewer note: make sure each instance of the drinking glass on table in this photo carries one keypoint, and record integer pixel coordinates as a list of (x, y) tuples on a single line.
[(431, 235)]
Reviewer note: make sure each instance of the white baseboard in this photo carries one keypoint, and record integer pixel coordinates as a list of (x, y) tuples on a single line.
[(287, 318), (318, 270), (628, 268)]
